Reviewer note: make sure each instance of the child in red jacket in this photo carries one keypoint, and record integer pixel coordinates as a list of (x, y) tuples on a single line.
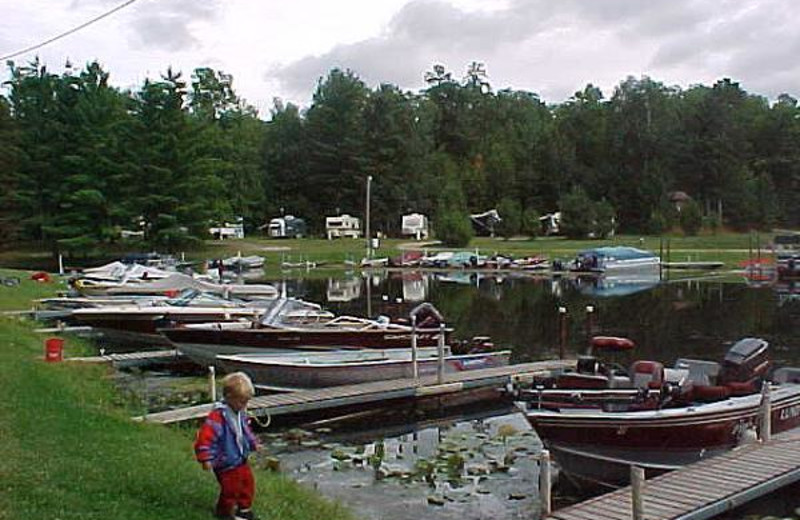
[(223, 443)]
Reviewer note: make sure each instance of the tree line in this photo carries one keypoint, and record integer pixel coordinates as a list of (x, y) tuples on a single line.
[(81, 160)]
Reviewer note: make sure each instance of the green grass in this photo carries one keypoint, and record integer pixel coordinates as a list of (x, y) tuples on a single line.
[(71, 451)]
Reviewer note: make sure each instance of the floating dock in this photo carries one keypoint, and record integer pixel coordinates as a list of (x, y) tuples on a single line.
[(704, 489), (365, 393)]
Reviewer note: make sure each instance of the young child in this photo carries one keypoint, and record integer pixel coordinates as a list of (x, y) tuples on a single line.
[(223, 443)]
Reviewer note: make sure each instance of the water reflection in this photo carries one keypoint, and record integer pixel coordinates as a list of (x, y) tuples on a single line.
[(520, 311)]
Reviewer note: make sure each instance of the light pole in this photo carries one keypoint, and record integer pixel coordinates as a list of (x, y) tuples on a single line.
[(367, 231)]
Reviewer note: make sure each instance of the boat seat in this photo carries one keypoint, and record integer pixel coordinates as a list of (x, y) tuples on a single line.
[(701, 372), (647, 374)]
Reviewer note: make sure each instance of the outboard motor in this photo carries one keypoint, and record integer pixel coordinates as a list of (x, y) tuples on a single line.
[(745, 366)]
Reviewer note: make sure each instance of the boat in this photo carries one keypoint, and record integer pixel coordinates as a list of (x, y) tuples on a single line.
[(239, 263), (612, 259), (173, 285), (294, 324), (305, 370), (787, 254), (140, 322), (600, 419)]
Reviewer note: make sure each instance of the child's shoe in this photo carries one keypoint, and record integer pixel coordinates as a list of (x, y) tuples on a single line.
[(246, 514)]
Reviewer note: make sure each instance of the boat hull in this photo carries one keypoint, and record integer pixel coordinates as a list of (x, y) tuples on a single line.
[(601, 447), (313, 374), (206, 343)]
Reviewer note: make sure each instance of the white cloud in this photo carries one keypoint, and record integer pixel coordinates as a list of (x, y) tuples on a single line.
[(551, 47)]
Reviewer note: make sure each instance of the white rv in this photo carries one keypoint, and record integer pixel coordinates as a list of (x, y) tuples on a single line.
[(228, 230), (343, 226), (415, 225), (286, 227)]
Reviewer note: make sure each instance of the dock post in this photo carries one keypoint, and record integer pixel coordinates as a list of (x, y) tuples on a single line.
[(562, 342), (212, 382), (545, 483), (765, 414), (414, 365), (637, 489), (440, 369)]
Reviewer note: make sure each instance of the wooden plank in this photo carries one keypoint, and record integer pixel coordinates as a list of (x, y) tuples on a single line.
[(697, 495), (672, 495)]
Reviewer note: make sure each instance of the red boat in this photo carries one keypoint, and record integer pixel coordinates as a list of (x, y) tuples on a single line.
[(600, 419)]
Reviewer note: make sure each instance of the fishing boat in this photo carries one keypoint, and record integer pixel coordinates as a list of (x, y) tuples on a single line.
[(292, 324), (302, 370), (611, 259), (600, 419), (140, 322)]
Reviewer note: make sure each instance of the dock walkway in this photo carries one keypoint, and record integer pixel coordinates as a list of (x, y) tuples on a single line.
[(348, 395), (704, 489), (131, 359)]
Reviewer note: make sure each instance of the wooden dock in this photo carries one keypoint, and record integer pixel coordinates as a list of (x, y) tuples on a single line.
[(132, 358), (704, 489), (350, 395)]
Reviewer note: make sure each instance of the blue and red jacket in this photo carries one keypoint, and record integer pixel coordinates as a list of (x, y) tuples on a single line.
[(221, 443)]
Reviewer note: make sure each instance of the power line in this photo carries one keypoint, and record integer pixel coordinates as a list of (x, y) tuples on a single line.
[(67, 33)]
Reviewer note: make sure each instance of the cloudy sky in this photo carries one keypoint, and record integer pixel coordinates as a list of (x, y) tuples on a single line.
[(280, 48)]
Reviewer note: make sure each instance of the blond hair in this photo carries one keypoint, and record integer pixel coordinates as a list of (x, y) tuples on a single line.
[(237, 384)]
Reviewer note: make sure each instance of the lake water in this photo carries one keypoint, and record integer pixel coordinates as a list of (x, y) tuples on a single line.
[(480, 462)]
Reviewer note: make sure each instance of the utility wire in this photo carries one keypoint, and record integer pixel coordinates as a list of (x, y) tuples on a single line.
[(67, 33)]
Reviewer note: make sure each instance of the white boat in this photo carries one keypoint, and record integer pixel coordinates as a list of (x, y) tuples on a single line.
[(322, 369)]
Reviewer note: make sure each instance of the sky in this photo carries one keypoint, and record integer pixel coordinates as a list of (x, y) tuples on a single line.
[(279, 49)]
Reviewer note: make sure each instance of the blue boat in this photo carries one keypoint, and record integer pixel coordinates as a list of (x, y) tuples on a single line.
[(614, 259)]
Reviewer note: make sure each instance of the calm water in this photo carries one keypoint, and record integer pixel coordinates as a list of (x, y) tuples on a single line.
[(666, 320)]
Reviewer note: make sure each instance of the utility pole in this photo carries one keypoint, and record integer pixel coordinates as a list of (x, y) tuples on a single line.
[(366, 224)]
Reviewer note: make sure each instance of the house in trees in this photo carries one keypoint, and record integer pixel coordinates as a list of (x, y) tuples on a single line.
[(678, 199), (343, 226), (484, 224)]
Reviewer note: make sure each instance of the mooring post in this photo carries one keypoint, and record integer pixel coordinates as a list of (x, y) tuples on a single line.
[(545, 483), (562, 331), (414, 366), (440, 370), (637, 489), (212, 382), (765, 414)]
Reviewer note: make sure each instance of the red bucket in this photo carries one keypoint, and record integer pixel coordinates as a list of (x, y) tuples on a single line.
[(53, 349)]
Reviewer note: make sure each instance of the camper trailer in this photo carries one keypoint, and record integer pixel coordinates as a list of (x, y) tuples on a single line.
[(286, 227), (228, 230), (415, 225), (343, 226)]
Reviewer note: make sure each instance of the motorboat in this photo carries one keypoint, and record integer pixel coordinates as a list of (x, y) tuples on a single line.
[(301, 370), (295, 324), (139, 322), (602, 418), (172, 285), (611, 259)]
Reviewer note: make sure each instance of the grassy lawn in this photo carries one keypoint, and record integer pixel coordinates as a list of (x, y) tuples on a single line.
[(70, 450)]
